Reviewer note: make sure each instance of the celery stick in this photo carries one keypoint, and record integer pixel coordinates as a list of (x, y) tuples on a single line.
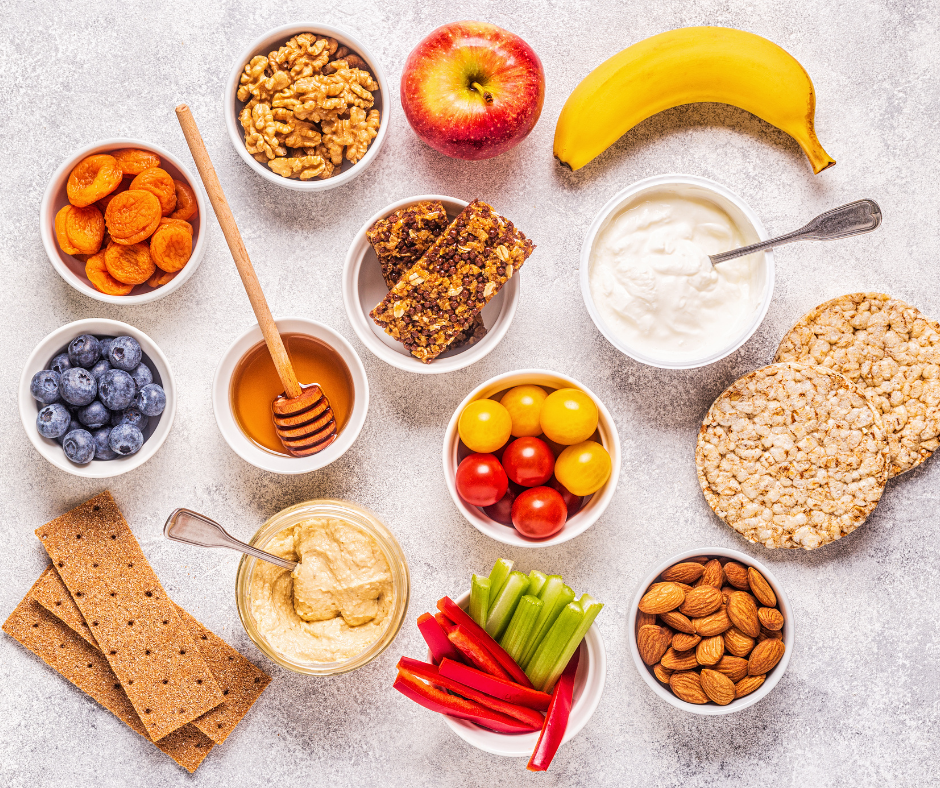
[(498, 575), (553, 644), (555, 595), (536, 582), (591, 608), (502, 608), (519, 629), (479, 598)]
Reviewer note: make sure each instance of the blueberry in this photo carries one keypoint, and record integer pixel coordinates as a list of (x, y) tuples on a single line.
[(100, 368), (45, 386), (125, 439), (94, 415), (105, 345), (130, 416), (103, 450), (74, 424), (53, 420), (151, 400), (60, 363), (84, 351), (79, 447), (116, 389), (125, 353), (77, 386), (142, 375)]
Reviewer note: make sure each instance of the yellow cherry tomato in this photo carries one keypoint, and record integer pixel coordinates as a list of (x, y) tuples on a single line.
[(583, 468), (484, 426), (524, 404), (568, 416)]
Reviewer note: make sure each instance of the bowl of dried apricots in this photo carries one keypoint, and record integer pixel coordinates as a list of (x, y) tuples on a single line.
[(122, 222)]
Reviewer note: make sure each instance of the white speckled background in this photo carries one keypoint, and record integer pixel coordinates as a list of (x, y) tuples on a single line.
[(859, 703)]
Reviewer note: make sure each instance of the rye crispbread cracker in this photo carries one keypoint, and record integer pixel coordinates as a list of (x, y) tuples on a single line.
[(792, 455), (242, 683), (132, 620), (65, 652), (891, 351)]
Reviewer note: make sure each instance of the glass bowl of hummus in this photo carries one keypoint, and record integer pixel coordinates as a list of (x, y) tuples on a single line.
[(344, 603)]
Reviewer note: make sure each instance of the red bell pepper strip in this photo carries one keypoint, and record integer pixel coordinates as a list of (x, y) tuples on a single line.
[(454, 612), (436, 638), (497, 687), (443, 702), (431, 673), (475, 653), (556, 720), (446, 624)]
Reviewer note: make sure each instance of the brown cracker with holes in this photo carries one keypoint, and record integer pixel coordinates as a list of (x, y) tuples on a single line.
[(133, 621), (65, 652)]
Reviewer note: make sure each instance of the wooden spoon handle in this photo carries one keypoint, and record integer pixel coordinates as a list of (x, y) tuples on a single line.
[(223, 213)]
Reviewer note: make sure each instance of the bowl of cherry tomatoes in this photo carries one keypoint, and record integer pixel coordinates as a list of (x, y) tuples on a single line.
[(531, 458)]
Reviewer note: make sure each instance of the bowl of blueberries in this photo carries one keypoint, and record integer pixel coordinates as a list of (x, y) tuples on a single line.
[(97, 398)]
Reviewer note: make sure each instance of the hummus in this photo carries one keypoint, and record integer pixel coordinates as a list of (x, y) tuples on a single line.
[(335, 604)]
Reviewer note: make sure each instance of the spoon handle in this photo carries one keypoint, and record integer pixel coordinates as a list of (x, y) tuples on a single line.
[(855, 218), (189, 527)]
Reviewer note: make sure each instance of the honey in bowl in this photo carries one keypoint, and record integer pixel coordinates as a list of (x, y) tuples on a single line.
[(255, 385)]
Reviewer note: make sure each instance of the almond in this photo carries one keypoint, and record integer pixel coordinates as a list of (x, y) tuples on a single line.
[(662, 673), (702, 601), (734, 668), (726, 593), (699, 559), (770, 618), (742, 611), (684, 642), (679, 660), (713, 575), (688, 687), (765, 657), (686, 572), (712, 625), (717, 686), (768, 634), (710, 650), (676, 620), (644, 619), (652, 642), (661, 598), (747, 685), (737, 575), (737, 643), (761, 588)]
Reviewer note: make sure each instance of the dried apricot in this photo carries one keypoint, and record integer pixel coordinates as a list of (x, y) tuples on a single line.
[(160, 278), (178, 222), (186, 204), (60, 235), (171, 247), (97, 272), (122, 187), (131, 265), (134, 161), (92, 178), (132, 216), (159, 183), (84, 227)]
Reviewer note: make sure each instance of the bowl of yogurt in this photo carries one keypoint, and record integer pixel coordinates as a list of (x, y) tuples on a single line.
[(649, 285)]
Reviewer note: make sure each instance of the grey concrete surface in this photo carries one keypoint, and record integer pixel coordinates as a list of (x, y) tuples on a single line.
[(859, 704)]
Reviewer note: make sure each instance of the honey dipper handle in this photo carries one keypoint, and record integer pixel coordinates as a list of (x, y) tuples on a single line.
[(223, 213)]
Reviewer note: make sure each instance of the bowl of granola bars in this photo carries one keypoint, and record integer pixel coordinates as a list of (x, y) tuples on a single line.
[(306, 106), (431, 284)]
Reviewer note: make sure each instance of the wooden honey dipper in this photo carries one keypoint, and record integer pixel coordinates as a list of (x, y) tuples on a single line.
[(302, 415)]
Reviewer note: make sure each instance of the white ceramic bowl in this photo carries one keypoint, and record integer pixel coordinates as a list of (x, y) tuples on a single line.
[(591, 510), (364, 288), (710, 709), (72, 270), (247, 449), (270, 42), (751, 229), (588, 688), (56, 343)]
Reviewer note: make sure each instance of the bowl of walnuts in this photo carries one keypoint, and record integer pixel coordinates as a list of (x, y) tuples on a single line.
[(306, 106)]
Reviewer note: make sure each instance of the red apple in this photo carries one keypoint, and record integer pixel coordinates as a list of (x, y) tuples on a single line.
[(472, 90)]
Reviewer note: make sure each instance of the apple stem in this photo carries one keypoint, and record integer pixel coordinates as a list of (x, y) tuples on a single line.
[(487, 96)]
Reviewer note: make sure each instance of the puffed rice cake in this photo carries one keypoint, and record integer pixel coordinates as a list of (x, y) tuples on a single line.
[(891, 351), (792, 456)]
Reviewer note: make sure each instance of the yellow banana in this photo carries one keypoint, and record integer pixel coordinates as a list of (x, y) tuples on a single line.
[(684, 66)]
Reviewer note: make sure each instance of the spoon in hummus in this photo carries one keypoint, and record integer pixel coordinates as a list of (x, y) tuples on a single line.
[(189, 527)]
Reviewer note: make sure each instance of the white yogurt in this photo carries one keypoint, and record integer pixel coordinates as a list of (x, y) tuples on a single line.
[(654, 286)]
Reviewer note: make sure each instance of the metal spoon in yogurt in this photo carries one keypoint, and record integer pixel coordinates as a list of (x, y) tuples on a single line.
[(856, 218)]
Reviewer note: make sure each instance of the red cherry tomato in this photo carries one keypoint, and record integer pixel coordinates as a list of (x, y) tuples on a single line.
[(539, 512), (481, 480), (528, 461), (501, 511), (573, 502)]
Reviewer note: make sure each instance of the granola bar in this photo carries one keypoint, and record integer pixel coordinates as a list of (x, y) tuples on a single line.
[(441, 295)]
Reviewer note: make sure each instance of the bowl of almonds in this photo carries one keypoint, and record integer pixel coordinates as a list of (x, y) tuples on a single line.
[(712, 631)]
